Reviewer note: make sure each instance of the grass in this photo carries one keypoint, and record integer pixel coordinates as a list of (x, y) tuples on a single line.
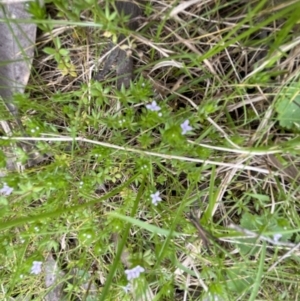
[(232, 70)]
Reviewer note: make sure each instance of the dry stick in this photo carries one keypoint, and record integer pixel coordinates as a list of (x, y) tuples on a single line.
[(239, 151), (287, 254), (204, 235), (252, 234), (141, 152)]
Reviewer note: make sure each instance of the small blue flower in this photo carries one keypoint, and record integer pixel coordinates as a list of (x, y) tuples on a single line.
[(185, 127), (6, 190), (134, 273), (36, 267), (155, 198), (153, 106)]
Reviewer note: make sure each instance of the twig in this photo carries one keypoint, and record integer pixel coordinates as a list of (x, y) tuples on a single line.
[(142, 152)]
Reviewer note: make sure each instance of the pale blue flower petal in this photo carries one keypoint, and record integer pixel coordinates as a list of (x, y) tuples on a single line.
[(155, 198), (6, 190), (153, 106), (134, 272), (36, 267), (140, 269), (185, 127)]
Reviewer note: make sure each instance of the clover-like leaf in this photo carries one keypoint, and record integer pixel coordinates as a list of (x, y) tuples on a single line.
[(288, 109)]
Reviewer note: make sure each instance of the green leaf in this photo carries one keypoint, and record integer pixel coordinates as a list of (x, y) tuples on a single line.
[(146, 226), (57, 42), (257, 282), (3, 201), (63, 52), (238, 279), (260, 197), (49, 50), (288, 109), (266, 225)]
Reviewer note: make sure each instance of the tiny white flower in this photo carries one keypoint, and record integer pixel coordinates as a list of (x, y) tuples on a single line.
[(153, 106), (32, 130), (6, 190), (36, 267), (155, 198), (185, 127), (276, 237), (127, 288)]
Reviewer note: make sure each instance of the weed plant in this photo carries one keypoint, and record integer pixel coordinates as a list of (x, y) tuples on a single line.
[(209, 126)]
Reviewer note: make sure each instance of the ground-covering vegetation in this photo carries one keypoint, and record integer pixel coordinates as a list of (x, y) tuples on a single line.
[(209, 126)]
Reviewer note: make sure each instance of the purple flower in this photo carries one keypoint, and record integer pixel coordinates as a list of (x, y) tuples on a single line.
[(134, 273), (36, 267), (185, 127), (153, 106), (155, 198), (6, 190)]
